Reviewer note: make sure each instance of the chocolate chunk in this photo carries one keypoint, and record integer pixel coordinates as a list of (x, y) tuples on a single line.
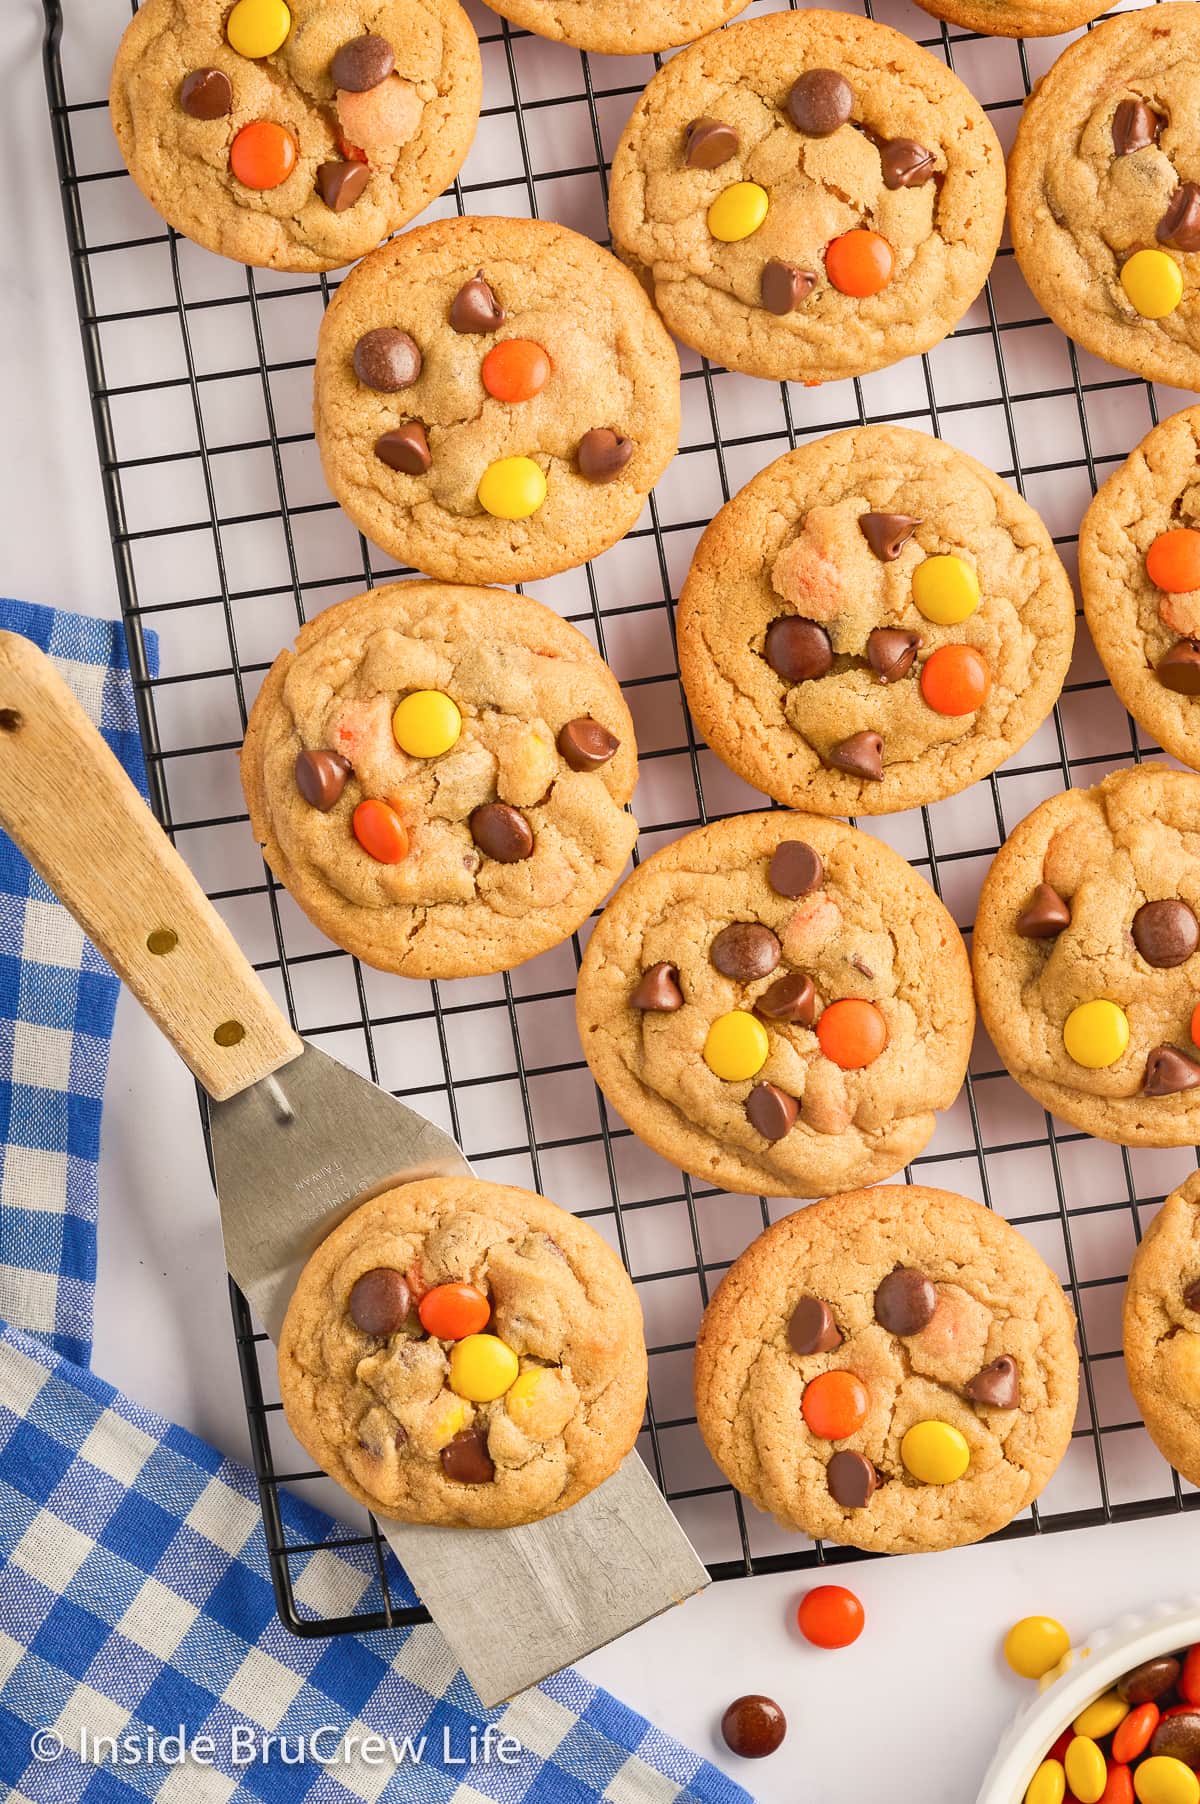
[(386, 360), (891, 651), (206, 94), (906, 164), (997, 1384), (466, 1460), (745, 950), (852, 1479), (860, 756), (905, 1302), (658, 990), (710, 142), (362, 63), (1191, 1296), (1166, 933), (380, 1301), (341, 184), (792, 998), (1149, 1680), (1134, 126), (795, 869), (771, 1111), (321, 778), (1179, 668), (812, 1329), (1168, 1071), (585, 745), (783, 286), (1178, 1737), (753, 1726), (475, 308), (819, 102), (405, 448), (501, 832), (797, 649), (1180, 224), (887, 534), (1046, 915), (603, 454)]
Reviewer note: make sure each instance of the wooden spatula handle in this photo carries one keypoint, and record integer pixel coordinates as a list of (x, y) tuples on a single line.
[(68, 804)]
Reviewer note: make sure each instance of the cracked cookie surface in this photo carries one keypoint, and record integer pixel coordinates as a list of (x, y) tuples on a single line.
[(909, 185), (473, 893), (418, 122), (382, 1408), (852, 925), (1162, 1329), (619, 27), (825, 545), (990, 1298), (607, 366)]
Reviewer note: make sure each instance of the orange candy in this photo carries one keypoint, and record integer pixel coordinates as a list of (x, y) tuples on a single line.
[(955, 679), (1119, 1787), (515, 370), (859, 262), (263, 154), (1196, 1024), (380, 831), (830, 1616), (1133, 1735), (852, 1033), (1189, 1678), (1173, 561), (452, 1311), (834, 1405)]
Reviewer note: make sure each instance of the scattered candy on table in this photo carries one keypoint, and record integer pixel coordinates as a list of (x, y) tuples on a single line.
[(481, 1368), (736, 1046), (935, 1453), (945, 589), (1153, 283), (753, 1726), (738, 211), (834, 1404), (859, 263), (830, 1616), (512, 488), (426, 723), (1096, 1034), (1034, 1645)]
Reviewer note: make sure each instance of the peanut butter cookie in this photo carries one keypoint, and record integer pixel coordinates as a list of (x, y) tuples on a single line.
[(1016, 18), (618, 27), (1162, 1329)]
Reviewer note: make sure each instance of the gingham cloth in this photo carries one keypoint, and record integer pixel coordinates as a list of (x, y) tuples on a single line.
[(135, 1591)]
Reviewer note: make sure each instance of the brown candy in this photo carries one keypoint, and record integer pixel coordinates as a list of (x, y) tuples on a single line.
[(852, 1479), (710, 142), (1191, 1296), (997, 1385), (783, 286), (905, 1301), (745, 950), (603, 454), (501, 832), (1180, 224), (1134, 126), (795, 869), (380, 1301), (892, 652), (1149, 1680), (792, 998), (753, 1726), (1179, 668), (1178, 1737), (797, 649), (819, 102), (906, 164), (1166, 933), (321, 778), (1168, 1072), (405, 448), (341, 184), (771, 1111), (1046, 915), (362, 63), (859, 756), (206, 94), (887, 534), (466, 1460), (386, 360), (585, 745), (811, 1328), (658, 990), (475, 308)]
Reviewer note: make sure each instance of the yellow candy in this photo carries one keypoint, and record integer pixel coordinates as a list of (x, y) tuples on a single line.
[(450, 1424), (736, 1047), (1086, 1769), (1034, 1645), (738, 211), (946, 590), (1048, 1785), (426, 724), (258, 27), (1153, 283), (1164, 1780), (481, 1368), (512, 488), (1101, 1718), (522, 1398), (1096, 1034), (935, 1453)]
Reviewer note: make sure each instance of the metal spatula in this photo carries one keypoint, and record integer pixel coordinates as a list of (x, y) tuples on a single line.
[(297, 1142)]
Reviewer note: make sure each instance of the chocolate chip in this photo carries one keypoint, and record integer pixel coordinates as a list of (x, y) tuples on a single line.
[(1166, 933), (1134, 126), (819, 102), (206, 94), (362, 63), (852, 1479), (341, 184), (386, 360), (405, 448), (1179, 668), (892, 652), (906, 164), (658, 990), (1178, 1737), (797, 649), (1180, 224), (321, 778), (1149, 1680), (585, 745), (1191, 1296), (753, 1726), (501, 832), (784, 285), (860, 756), (792, 998), (905, 1301), (795, 869), (603, 454), (466, 1460), (475, 308), (710, 142), (997, 1384), (1169, 1071), (771, 1111), (745, 950), (1046, 915), (811, 1328), (887, 534), (380, 1301)]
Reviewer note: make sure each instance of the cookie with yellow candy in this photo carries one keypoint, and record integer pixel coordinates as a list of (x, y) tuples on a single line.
[(1162, 1329)]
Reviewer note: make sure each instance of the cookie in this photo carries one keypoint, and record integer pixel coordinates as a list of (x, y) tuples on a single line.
[(1162, 1329), (295, 135), (778, 1004), (808, 196), (438, 775), (893, 1369), (1086, 962), (1104, 211), (464, 1353), (618, 27), (1015, 18), (495, 398), (1139, 569), (873, 622)]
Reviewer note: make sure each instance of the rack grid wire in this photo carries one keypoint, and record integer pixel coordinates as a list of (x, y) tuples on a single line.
[(225, 540)]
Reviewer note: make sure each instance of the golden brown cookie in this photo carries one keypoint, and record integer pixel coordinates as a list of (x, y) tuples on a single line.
[(464, 1353), (1103, 198), (1086, 962), (874, 622), (618, 27), (1015, 18), (295, 135), (808, 195), (893, 1368), (777, 1003), (495, 398), (439, 775), (1162, 1329)]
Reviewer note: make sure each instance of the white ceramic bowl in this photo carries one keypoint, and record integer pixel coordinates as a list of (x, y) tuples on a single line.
[(1082, 1674)]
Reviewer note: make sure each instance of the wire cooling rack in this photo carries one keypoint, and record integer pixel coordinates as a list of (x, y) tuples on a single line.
[(226, 539)]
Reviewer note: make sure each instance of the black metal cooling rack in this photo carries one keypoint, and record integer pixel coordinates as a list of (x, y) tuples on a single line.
[(1081, 1201)]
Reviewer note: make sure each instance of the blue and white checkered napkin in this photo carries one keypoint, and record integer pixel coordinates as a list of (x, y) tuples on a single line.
[(135, 1592)]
